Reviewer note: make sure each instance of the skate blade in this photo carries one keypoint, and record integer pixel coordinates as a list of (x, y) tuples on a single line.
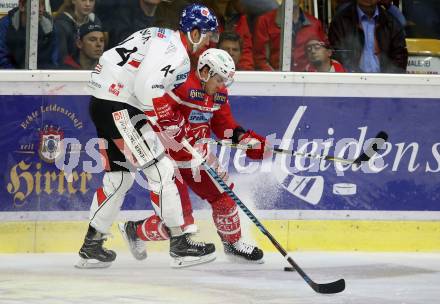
[(137, 255), (91, 264), (241, 260), (189, 261)]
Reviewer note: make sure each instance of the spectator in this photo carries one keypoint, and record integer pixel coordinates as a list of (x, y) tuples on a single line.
[(231, 17), (388, 4), (90, 43), (13, 39), (366, 38), (130, 17), (231, 43), (319, 54), (268, 34), (71, 15)]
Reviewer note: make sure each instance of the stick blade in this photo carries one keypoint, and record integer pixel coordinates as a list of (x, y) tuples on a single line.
[(380, 138), (330, 288)]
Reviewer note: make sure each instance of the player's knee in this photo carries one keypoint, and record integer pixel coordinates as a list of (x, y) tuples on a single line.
[(117, 182), (160, 175)]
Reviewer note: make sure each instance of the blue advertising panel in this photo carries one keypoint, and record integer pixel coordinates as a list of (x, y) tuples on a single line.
[(404, 176)]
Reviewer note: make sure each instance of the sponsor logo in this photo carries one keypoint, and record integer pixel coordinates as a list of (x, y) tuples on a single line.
[(115, 89), (205, 12), (199, 117), (95, 84), (419, 63), (157, 86), (33, 172), (220, 98), (117, 115), (195, 94), (37, 115), (50, 144), (161, 33), (181, 77)]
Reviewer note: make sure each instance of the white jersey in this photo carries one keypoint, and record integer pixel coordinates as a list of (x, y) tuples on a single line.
[(144, 66)]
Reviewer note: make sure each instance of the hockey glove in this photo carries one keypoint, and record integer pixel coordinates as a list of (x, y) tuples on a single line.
[(258, 144), (173, 127)]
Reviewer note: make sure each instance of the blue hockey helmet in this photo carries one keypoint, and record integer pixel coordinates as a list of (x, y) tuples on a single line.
[(197, 16)]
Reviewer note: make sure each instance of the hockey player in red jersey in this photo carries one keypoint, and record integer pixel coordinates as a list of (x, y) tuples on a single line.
[(197, 107), (132, 78)]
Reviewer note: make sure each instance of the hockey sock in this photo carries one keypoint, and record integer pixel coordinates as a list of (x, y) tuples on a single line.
[(226, 218), (152, 229)]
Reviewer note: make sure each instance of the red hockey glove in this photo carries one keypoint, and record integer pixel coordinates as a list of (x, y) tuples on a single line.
[(173, 127), (258, 143)]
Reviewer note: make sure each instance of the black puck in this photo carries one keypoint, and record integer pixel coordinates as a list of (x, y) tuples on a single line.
[(289, 269)]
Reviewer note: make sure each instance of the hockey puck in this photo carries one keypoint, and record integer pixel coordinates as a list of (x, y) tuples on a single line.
[(289, 269)]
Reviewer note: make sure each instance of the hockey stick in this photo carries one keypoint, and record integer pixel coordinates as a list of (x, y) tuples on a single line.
[(326, 288), (381, 137)]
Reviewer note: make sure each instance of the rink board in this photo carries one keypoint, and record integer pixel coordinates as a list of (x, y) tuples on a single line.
[(293, 235), (323, 207)]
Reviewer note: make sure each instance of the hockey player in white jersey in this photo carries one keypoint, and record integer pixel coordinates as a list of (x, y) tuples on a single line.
[(130, 80)]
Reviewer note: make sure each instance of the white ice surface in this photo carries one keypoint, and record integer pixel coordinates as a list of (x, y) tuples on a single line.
[(371, 279)]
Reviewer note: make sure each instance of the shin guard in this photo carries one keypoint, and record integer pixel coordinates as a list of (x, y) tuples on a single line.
[(108, 200)]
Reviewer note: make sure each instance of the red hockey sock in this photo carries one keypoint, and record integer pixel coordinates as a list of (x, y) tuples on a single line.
[(226, 218), (152, 229)]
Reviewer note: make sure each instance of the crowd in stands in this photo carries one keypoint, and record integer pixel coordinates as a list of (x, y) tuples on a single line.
[(363, 36)]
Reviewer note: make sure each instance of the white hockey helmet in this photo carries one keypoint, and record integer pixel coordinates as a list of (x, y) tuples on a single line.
[(219, 62)]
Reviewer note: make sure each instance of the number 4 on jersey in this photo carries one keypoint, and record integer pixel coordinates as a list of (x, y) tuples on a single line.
[(125, 54), (167, 70)]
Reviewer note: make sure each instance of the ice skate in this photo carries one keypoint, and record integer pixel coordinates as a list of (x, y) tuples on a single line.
[(187, 252), (243, 253), (135, 244), (92, 253)]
